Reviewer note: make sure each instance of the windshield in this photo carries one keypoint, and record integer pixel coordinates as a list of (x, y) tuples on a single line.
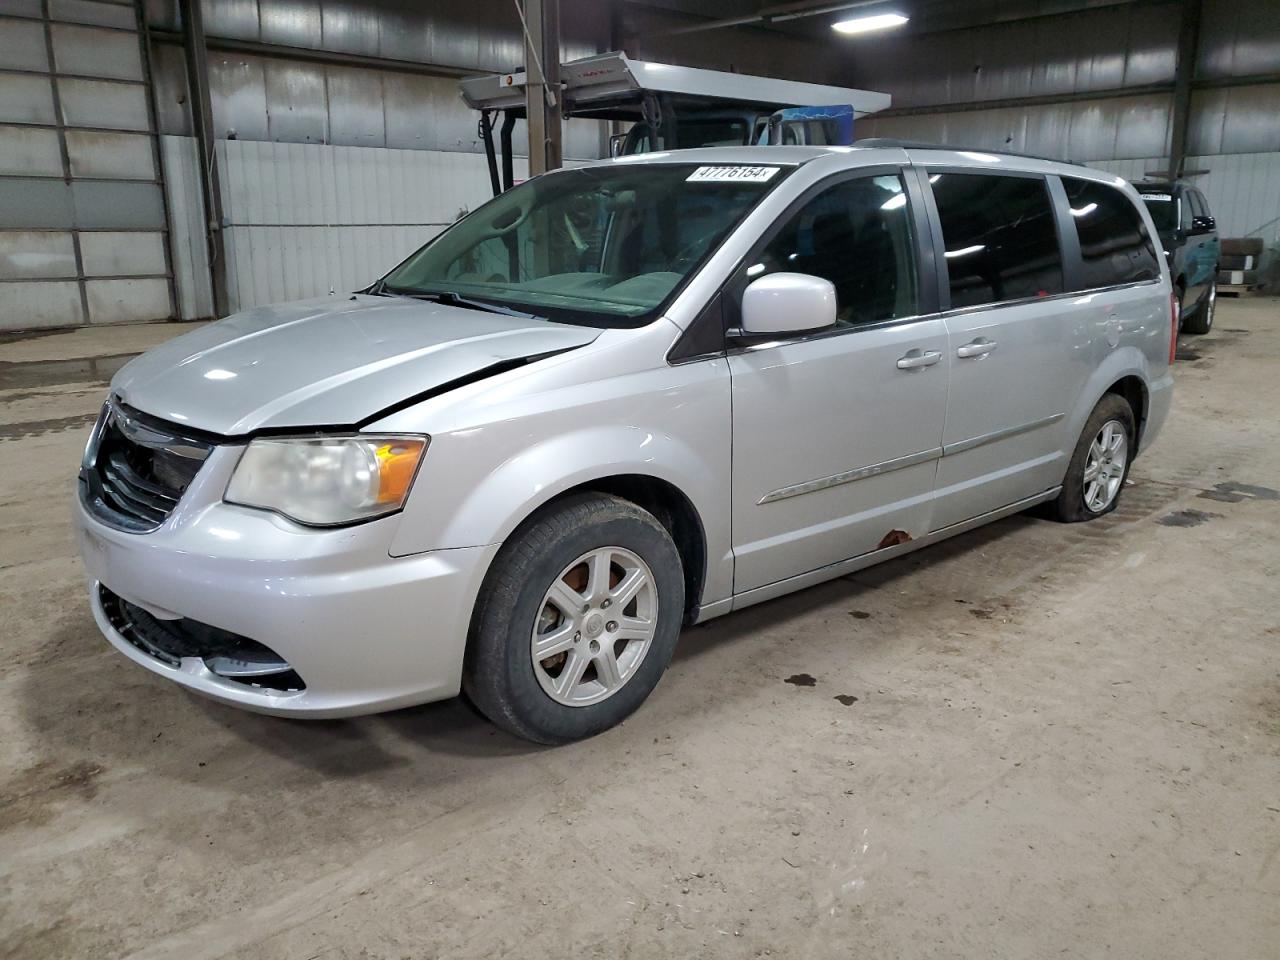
[(1164, 211), (600, 246)]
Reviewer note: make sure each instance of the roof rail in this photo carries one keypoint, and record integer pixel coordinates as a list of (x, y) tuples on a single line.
[(920, 145)]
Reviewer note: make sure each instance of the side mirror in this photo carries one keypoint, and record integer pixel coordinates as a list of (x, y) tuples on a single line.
[(616, 142), (1203, 224), (787, 303)]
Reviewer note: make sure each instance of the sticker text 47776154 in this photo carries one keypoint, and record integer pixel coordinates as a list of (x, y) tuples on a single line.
[(737, 173)]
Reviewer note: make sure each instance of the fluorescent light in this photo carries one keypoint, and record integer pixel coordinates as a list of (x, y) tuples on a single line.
[(881, 21), (894, 202), (965, 251), (1084, 211)]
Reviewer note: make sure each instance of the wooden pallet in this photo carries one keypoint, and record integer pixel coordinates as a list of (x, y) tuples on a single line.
[(1237, 289)]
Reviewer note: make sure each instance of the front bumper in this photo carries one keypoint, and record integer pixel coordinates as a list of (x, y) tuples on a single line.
[(365, 631)]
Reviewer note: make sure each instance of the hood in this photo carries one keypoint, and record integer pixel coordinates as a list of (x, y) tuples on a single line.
[(328, 362)]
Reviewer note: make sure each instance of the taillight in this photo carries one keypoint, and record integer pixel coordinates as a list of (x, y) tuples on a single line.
[(1173, 327)]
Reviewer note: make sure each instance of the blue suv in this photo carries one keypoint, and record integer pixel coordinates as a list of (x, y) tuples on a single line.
[(1189, 236)]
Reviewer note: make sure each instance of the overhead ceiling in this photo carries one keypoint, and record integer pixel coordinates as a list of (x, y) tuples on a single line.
[(927, 16)]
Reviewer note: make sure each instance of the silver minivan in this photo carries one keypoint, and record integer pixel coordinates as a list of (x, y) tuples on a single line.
[(613, 401)]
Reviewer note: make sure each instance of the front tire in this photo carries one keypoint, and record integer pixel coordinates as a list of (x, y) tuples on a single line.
[(1201, 321), (577, 620), (1099, 464)]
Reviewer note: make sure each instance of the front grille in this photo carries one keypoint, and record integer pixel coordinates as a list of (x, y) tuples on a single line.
[(137, 468), (227, 654)]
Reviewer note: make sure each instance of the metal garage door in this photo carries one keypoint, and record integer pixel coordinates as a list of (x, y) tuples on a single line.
[(82, 215)]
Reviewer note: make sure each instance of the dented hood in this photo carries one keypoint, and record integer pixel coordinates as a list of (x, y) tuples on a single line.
[(326, 363)]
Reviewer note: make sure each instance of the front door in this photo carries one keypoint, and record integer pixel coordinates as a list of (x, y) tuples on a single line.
[(836, 436), (1201, 254)]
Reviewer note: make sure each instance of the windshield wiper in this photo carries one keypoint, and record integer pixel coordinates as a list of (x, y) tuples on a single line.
[(451, 299)]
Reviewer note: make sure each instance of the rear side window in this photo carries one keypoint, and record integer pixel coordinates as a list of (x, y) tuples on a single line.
[(999, 236), (1114, 244)]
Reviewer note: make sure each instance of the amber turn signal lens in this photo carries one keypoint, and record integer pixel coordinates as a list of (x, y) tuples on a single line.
[(397, 461)]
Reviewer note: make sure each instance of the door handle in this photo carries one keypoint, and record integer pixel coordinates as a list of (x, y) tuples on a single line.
[(976, 348), (914, 359)]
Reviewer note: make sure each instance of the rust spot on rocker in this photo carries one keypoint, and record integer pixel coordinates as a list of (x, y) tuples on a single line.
[(893, 538)]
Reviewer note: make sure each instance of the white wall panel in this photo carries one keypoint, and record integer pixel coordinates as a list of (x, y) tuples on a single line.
[(26, 99), (128, 301), (103, 103), (188, 249), (88, 51), (127, 156), (30, 152), (22, 46), (35, 304), (36, 254), (112, 254), (1243, 189), (304, 219)]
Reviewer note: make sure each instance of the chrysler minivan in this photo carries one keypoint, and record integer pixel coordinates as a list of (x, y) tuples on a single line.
[(616, 400)]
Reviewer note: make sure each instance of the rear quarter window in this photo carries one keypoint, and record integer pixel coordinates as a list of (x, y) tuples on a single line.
[(1115, 247)]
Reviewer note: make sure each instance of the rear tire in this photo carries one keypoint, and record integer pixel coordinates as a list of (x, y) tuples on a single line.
[(1201, 322), (577, 620), (1099, 464)]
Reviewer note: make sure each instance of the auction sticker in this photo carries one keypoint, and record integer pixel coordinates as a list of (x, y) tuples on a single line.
[(736, 173)]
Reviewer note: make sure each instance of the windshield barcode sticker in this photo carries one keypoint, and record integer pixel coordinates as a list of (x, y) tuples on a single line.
[(1163, 197), (736, 173)]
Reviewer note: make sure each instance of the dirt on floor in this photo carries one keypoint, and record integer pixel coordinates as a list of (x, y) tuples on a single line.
[(1033, 740)]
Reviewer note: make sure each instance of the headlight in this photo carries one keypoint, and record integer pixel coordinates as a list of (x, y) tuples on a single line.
[(327, 480)]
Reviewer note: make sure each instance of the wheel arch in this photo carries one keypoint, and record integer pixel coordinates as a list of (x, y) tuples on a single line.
[(669, 504), (1134, 391), (1124, 373)]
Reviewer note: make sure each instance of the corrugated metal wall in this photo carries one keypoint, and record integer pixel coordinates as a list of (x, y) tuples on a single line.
[(1084, 131), (332, 172), (942, 79), (307, 219), (277, 98), (1090, 59), (82, 217)]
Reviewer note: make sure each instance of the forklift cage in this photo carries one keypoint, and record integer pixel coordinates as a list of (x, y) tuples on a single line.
[(655, 97)]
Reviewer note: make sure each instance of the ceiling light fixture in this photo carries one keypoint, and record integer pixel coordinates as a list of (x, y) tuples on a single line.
[(880, 21)]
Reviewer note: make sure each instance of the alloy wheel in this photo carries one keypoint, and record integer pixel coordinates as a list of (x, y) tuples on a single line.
[(594, 626), (1104, 467)]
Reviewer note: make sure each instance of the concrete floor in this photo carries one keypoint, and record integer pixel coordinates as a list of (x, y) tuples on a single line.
[(1033, 740)]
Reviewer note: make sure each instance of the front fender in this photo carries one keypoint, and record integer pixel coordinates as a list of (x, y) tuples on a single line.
[(503, 499), (497, 457)]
